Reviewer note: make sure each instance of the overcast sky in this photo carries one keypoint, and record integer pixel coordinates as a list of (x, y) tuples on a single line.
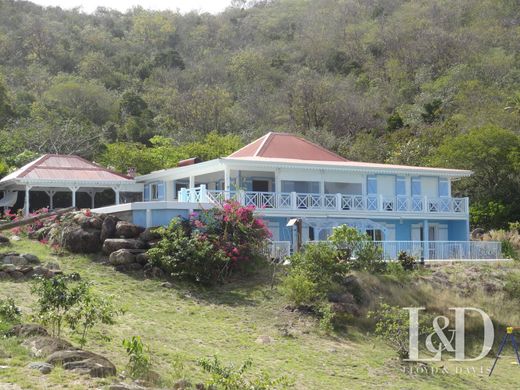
[(213, 6)]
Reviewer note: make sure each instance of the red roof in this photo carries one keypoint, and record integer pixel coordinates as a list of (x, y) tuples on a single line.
[(64, 167), (283, 145)]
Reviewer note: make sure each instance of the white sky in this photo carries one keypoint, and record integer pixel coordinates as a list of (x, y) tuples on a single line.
[(213, 6)]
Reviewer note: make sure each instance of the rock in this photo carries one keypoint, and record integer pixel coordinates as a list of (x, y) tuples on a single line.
[(113, 244), (15, 259), (3, 275), (83, 361), (27, 330), (52, 266), (167, 285), (40, 346), (93, 222), (126, 229), (121, 257), (31, 259), (8, 268), (153, 272), (108, 228), (16, 275), (15, 238), (264, 340), (82, 241), (4, 240), (149, 234), (134, 267), (142, 258), (477, 233), (44, 368)]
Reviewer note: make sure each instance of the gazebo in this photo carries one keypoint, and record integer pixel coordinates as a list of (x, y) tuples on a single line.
[(52, 173)]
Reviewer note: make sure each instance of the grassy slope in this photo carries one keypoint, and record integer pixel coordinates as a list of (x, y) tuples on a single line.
[(181, 326)]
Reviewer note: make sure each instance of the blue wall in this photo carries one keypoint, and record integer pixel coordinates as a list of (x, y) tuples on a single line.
[(458, 230), (159, 217)]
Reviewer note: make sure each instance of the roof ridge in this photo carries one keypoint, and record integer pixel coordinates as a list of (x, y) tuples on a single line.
[(33, 165), (264, 143)]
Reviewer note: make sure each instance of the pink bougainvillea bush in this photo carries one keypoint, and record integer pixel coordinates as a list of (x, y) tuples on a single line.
[(211, 245)]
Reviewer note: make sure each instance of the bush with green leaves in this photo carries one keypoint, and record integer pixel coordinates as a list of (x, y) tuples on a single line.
[(512, 286), (10, 314), (407, 261), (235, 378), (392, 326), (357, 249), (139, 361), (211, 245), (65, 300)]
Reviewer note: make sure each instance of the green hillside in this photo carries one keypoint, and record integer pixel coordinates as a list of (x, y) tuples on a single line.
[(183, 324), (385, 80)]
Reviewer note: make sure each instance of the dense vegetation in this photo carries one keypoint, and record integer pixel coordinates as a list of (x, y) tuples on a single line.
[(430, 82)]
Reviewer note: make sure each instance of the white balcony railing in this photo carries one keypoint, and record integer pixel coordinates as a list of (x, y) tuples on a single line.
[(441, 250), (328, 202)]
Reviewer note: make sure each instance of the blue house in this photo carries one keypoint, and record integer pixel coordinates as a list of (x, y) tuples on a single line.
[(284, 176)]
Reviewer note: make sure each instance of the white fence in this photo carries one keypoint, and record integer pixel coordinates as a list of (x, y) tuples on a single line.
[(328, 202), (441, 250)]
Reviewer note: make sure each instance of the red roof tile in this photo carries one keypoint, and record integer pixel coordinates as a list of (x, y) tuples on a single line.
[(64, 167), (283, 145)]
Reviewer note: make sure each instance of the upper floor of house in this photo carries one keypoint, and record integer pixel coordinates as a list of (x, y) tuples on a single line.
[(282, 173)]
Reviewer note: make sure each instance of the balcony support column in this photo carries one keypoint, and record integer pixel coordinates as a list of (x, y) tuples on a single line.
[(227, 182), (426, 240)]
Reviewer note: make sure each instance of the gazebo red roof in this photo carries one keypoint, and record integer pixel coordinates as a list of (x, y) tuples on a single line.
[(288, 146), (64, 167)]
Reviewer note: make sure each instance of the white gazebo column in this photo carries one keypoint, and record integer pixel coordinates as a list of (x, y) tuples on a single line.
[(50, 194), (116, 192), (192, 182), (277, 180), (74, 190), (26, 201), (92, 199)]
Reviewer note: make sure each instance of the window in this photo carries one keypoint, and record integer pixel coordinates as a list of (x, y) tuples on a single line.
[(444, 188), (305, 187), (416, 186), (375, 234), (154, 191), (371, 185), (343, 188), (400, 186)]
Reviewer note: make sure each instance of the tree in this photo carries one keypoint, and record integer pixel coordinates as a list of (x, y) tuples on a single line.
[(493, 154), (6, 110)]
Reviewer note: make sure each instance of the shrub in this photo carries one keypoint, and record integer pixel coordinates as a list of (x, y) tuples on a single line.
[(89, 311), (510, 240), (65, 300), (395, 269), (211, 245), (234, 378), (393, 327), (357, 249), (406, 261), (139, 362), (300, 289), (9, 311)]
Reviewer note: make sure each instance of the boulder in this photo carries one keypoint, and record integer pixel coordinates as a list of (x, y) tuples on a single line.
[(84, 362), (149, 234), (82, 241), (7, 268), (264, 340), (122, 257), (40, 346), (93, 222), (15, 259), (44, 368), (153, 272), (126, 229), (113, 244), (108, 228), (3, 240), (142, 258), (16, 275), (27, 330), (3, 275), (31, 259)]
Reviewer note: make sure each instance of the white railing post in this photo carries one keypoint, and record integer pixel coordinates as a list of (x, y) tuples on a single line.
[(294, 206), (426, 208), (203, 194), (183, 195), (380, 203), (339, 201), (193, 195)]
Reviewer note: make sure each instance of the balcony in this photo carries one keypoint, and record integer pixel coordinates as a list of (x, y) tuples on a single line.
[(329, 202)]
